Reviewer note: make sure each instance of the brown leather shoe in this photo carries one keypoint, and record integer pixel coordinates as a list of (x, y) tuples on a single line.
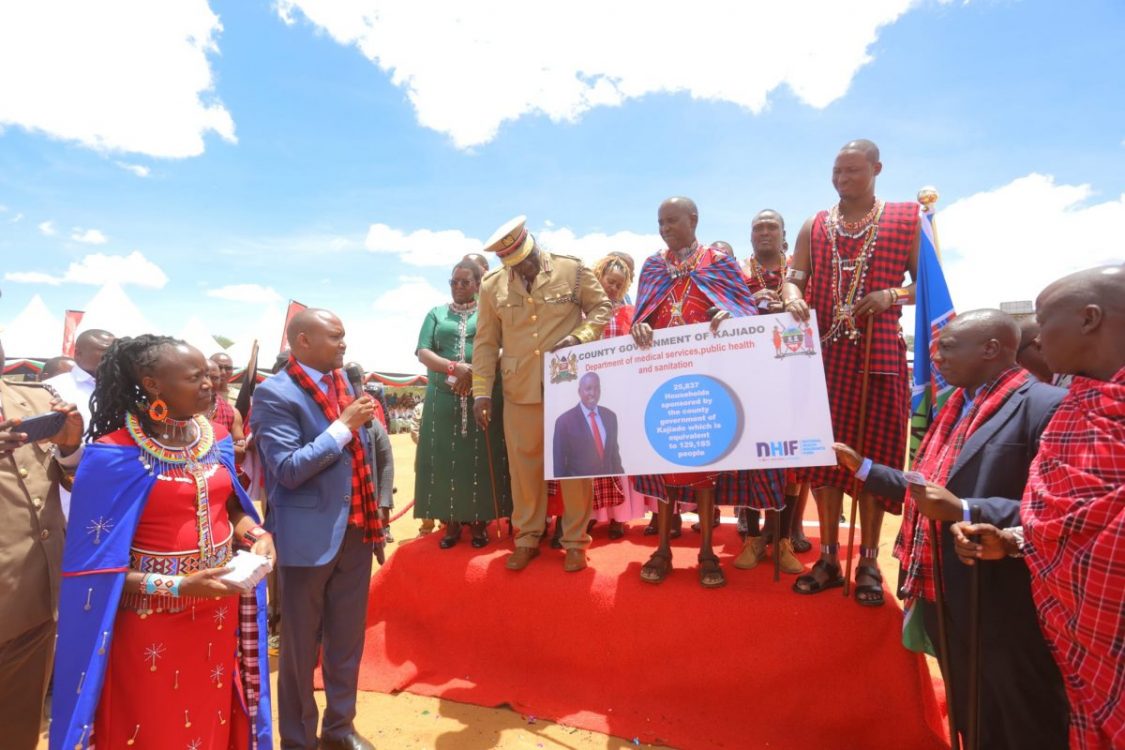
[(575, 560), (520, 559), (352, 741)]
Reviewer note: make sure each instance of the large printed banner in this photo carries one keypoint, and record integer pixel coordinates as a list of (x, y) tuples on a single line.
[(751, 396)]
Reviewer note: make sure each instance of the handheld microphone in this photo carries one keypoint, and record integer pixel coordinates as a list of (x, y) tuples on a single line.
[(354, 373)]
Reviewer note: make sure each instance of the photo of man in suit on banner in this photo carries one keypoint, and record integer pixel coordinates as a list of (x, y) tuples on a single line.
[(585, 443)]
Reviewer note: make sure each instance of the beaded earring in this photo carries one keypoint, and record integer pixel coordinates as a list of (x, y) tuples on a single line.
[(158, 410)]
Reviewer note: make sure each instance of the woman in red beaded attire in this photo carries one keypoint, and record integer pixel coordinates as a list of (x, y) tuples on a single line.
[(174, 670), (850, 265)]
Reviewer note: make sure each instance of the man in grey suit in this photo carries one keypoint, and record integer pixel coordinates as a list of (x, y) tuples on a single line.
[(323, 539), (990, 441)]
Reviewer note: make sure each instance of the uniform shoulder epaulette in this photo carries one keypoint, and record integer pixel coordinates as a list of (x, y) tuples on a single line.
[(33, 384), (579, 261), (489, 274)]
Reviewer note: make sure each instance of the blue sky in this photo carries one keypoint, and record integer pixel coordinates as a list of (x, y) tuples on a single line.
[(322, 120)]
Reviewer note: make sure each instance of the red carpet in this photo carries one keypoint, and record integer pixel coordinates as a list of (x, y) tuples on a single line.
[(752, 665)]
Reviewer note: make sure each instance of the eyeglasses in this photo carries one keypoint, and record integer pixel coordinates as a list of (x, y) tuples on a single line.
[(461, 282)]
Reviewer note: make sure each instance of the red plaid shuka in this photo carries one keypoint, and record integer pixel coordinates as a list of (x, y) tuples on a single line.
[(365, 504), (224, 412), (607, 492), (248, 656), (1073, 515), (935, 460), (888, 395)]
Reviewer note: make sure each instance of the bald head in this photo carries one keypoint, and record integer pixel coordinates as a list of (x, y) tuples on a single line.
[(767, 214), (89, 348), (976, 346), (988, 324), (682, 203), (865, 147), (316, 338), (678, 218), (1082, 322)]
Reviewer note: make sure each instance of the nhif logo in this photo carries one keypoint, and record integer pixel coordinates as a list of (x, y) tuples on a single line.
[(777, 448), (794, 340), (564, 369)]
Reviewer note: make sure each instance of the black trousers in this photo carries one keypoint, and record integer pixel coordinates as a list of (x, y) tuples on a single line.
[(1022, 699), (329, 600)]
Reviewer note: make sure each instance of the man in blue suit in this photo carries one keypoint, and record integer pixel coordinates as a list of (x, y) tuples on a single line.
[(979, 449), (311, 440), (585, 443)]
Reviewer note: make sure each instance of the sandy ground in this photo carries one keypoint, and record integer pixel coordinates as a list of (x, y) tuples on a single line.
[(405, 721)]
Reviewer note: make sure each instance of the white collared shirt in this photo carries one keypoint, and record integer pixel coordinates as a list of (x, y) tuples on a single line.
[(597, 418), (338, 430)]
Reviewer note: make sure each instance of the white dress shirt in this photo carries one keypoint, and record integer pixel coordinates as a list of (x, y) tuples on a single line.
[(74, 387)]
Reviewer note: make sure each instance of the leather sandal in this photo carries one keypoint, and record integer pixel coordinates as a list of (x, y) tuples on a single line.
[(809, 584), (872, 593), (710, 572), (657, 568)]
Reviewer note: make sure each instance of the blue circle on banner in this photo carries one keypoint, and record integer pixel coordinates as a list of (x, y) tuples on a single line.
[(693, 420)]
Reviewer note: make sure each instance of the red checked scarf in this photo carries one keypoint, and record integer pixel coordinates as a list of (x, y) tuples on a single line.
[(1073, 514), (936, 457), (365, 506)]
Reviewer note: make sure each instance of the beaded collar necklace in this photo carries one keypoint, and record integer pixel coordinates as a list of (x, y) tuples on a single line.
[(158, 458), (679, 269), (843, 322), (759, 273), (463, 308)]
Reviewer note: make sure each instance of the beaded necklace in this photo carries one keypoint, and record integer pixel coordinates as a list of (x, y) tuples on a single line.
[(463, 313), (854, 229), (759, 273), (678, 270), (192, 459), (843, 323)]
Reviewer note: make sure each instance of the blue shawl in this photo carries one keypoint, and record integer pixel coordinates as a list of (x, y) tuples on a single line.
[(110, 492), (722, 281)]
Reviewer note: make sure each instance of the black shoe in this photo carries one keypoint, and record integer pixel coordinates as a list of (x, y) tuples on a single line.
[(651, 529), (616, 529), (556, 538), (352, 742), (677, 526), (452, 535), (480, 535)]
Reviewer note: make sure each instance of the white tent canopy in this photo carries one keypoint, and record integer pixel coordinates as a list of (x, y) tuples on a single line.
[(195, 332), (112, 310), (34, 333)]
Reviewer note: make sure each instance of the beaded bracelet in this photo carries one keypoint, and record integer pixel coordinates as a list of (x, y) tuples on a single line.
[(253, 534), (158, 585)]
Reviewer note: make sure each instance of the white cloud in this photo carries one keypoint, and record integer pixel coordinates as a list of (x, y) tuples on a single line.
[(137, 169), (422, 247), (517, 58), (255, 293), (99, 269), (47, 228), (386, 338), (594, 246), (16, 218), (1009, 243), (32, 277), (88, 236), (129, 76)]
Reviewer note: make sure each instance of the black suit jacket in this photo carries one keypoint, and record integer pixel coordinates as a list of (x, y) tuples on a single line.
[(574, 450), (1023, 700)]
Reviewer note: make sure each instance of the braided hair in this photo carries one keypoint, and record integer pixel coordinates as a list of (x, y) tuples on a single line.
[(117, 390), (614, 263)]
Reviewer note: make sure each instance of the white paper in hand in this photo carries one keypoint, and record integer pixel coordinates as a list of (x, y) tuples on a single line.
[(246, 569)]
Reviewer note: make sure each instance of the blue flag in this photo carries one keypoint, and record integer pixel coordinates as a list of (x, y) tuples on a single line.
[(933, 311)]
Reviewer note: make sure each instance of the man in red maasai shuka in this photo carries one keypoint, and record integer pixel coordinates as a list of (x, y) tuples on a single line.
[(850, 264), (1073, 511)]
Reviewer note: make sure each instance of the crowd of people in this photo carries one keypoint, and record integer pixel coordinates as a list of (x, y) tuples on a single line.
[(1017, 490)]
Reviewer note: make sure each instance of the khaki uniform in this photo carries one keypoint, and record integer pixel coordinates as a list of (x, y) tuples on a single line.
[(32, 529), (515, 328)]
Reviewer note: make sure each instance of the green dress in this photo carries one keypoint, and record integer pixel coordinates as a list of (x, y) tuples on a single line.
[(451, 473)]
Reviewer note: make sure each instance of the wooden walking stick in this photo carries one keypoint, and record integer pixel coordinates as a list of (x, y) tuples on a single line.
[(492, 483), (857, 485), (972, 724), (943, 635), (776, 546)]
